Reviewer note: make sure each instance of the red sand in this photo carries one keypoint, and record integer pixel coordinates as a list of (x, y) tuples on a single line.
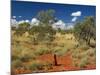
[(65, 63)]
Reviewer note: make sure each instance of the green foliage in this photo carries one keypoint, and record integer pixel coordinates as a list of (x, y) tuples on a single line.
[(48, 65), (76, 54), (14, 57), (26, 55), (34, 30), (13, 28), (91, 52), (36, 66), (59, 51), (22, 28), (83, 60), (23, 53), (85, 30), (70, 31), (83, 63), (44, 30), (43, 33), (45, 16), (46, 34), (16, 50), (65, 31), (84, 47), (16, 63), (84, 55), (42, 51)]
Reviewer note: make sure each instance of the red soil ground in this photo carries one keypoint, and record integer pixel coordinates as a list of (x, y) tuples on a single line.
[(65, 63)]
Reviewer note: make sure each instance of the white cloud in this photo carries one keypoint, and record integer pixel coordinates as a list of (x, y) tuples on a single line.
[(22, 21), (19, 16), (70, 25), (77, 13), (14, 17), (27, 21), (74, 19), (35, 21), (59, 24), (14, 23)]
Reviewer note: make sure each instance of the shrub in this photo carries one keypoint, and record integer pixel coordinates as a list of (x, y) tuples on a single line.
[(91, 52), (24, 58), (93, 45), (84, 57), (54, 44), (83, 63), (23, 53), (76, 64), (42, 51), (62, 45), (26, 55), (76, 54), (15, 52), (35, 66), (16, 63), (48, 66), (60, 51), (35, 42), (84, 47), (14, 57)]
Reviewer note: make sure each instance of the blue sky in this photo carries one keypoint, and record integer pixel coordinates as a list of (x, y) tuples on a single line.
[(65, 12)]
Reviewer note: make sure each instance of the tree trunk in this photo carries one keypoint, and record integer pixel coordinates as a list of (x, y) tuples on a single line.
[(55, 60), (89, 41)]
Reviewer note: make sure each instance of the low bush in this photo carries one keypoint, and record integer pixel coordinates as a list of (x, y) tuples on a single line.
[(48, 66), (91, 52), (83, 63), (42, 51), (35, 66), (84, 47), (59, 51), (14, 57), (16, 63), (27, 55), (62, 45), (22, 53), (76, 54)]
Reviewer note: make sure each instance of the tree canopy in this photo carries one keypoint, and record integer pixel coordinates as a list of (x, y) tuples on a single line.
[(22, 28), (45, 16), (86, 30)]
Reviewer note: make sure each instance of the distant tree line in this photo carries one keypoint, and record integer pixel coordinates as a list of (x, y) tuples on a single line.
[(84, 30)]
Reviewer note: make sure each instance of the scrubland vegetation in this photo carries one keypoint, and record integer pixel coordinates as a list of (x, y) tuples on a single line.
[(44, 49)]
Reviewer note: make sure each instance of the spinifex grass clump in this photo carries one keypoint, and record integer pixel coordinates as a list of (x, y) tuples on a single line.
[(82, 57), (36, 66), (17, 63), (42, 51)]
